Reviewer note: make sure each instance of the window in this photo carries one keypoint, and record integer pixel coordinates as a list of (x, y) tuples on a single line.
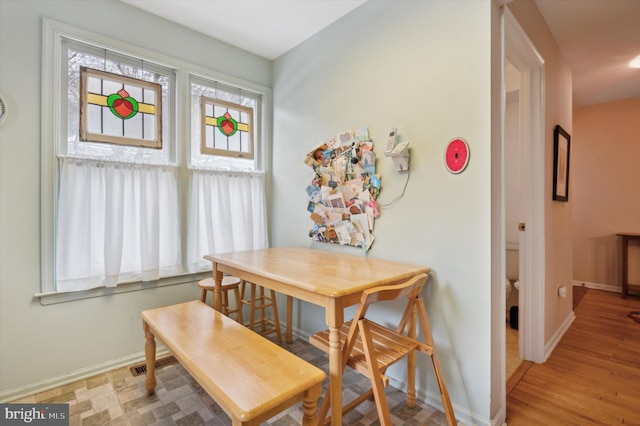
[(214, 146), (223, 182), (98, 130), (118, 203), (226, 128), (119, 110), (130, 193)]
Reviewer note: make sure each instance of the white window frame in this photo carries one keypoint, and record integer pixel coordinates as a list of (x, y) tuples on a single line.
[(54, 127)]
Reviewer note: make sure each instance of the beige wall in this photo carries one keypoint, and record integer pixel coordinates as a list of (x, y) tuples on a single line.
[(605, 190)]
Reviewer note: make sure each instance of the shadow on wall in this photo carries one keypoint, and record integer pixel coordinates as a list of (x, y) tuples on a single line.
[(605, 258)]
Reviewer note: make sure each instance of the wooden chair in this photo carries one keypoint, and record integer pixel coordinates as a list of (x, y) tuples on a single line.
[(371, 348), (229, 283), (258, 302)]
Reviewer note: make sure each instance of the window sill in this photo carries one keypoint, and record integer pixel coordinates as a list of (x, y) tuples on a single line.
[(53, 298)]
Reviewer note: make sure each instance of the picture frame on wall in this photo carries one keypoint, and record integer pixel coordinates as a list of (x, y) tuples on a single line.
[(561, 150)]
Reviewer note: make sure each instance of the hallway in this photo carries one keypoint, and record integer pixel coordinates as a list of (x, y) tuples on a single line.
[(592, 376)]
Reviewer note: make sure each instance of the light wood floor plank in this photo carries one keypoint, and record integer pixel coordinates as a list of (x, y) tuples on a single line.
[(592, 376)]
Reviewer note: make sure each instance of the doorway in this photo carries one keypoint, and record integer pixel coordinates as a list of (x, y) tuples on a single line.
[(520, 52), (513, 190)]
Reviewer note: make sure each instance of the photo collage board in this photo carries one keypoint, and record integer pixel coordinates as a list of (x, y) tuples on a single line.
[(343, 192)]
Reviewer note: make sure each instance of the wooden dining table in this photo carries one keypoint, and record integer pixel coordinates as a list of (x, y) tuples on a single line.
[(324, 278)]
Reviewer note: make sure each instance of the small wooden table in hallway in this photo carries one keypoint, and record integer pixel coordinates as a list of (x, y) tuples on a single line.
[(625, 263)]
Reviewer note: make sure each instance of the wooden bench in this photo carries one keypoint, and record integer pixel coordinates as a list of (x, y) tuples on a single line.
[(249, 377)]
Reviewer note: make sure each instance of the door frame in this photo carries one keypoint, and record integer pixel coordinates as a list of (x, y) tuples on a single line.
[(524, 56)]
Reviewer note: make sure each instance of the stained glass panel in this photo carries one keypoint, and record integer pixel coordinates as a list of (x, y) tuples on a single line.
[(119, 110), (227, 128)]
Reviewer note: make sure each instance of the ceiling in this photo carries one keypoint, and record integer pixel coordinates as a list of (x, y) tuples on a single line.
[(597, 37), (267, 28)]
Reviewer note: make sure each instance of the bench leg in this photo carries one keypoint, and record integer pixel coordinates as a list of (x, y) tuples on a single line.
[(310, 404), (150, 358)]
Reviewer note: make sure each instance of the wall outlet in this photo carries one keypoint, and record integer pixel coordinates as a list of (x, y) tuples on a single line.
[(562, 291)]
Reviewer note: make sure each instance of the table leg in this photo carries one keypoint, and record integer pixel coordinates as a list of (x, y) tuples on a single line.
[(335, 375), (252, 311), (150, 358), (289, 332), (310, 404), (625, 266)]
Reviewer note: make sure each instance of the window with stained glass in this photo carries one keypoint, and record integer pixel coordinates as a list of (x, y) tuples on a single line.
[(119, 109), (226, 128), (120, 189), (225, 125)]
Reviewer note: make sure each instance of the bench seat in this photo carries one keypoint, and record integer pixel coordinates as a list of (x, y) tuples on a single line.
[(249, 377)]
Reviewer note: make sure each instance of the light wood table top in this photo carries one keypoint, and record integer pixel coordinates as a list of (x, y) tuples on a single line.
[(317, 272), (328, 279)]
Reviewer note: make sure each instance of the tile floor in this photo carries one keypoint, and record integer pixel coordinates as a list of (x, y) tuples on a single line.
[(119, 398)]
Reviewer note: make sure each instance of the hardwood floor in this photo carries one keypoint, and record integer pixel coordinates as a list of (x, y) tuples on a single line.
[(592, 376), (513, 360)]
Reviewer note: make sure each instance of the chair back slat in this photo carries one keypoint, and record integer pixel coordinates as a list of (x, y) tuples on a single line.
[(393, 292)]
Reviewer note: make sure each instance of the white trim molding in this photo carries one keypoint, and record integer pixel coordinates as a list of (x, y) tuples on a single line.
[(597, 286), (74, 376), (521, 52), (555, 339)]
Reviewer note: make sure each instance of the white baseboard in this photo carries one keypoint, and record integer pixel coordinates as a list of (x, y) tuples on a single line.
[(596, 286), (499, 418), (74, 376), (604, 287), (555, 339), (463, 415)]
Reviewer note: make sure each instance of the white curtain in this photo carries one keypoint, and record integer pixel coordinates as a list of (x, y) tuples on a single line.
[(226, 212), (116, 223)]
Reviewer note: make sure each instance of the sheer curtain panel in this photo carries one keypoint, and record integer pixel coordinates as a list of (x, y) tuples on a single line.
[(116, 223), (227, 212)]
